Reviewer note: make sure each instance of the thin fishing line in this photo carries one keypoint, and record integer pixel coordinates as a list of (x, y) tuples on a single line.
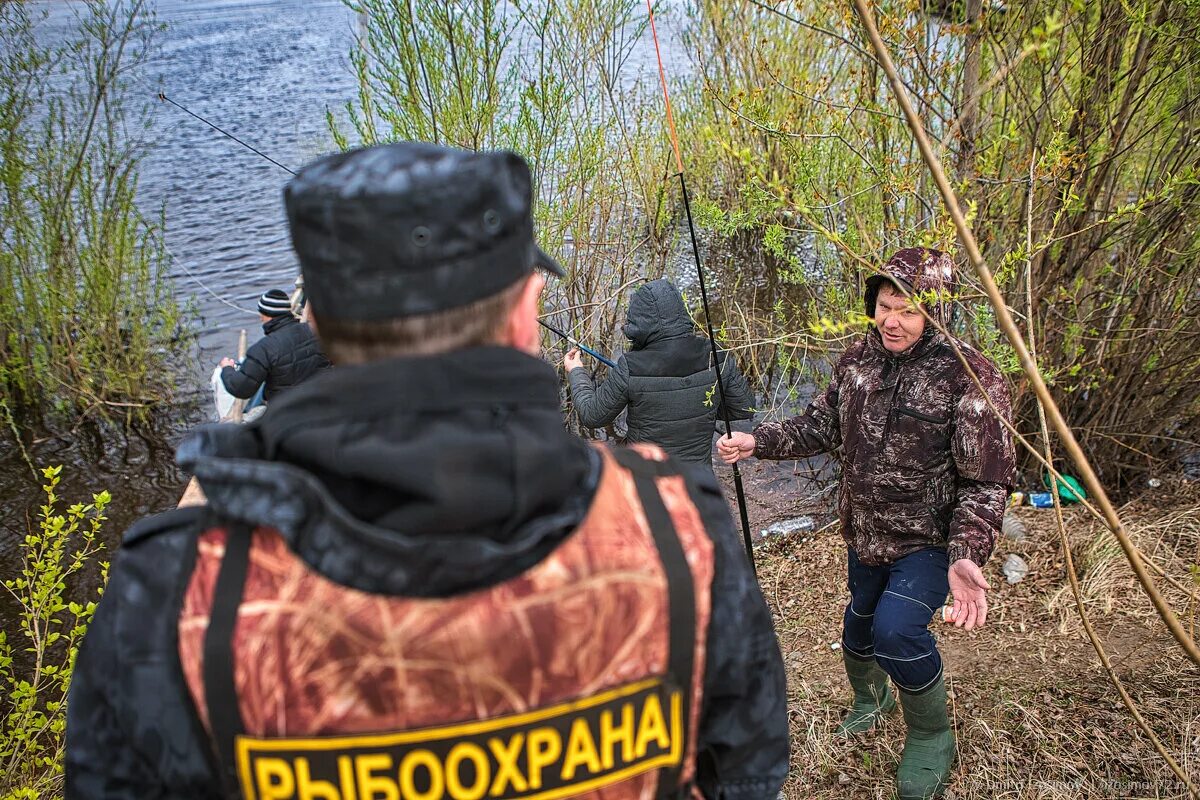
[(162, 240), (176, 260), (200, 283)]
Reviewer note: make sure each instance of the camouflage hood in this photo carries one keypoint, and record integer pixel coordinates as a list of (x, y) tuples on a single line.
[(920, 271)]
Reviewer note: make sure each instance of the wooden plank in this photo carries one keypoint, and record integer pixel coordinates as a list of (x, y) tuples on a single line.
[(193, 495)]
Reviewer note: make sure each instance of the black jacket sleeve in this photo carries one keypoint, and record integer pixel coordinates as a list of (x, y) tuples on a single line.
[(244, 381), (742, 749), (739, 397), (600, 405), (132, 731), (100, 761)]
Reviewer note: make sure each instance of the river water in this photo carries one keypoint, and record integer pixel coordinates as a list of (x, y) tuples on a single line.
[(266, 72)]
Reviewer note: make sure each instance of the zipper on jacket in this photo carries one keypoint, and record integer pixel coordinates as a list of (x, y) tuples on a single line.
[(923, 417), (890, 366)]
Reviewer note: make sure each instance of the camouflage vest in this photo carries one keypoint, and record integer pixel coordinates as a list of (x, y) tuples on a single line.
[(580, 677)]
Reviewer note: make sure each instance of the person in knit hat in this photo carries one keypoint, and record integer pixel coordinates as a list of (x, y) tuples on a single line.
[(287, 355), (926, 468)]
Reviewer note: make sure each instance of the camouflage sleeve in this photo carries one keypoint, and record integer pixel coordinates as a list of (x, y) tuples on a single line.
[(817, 430), (978, 513), (985, 461)]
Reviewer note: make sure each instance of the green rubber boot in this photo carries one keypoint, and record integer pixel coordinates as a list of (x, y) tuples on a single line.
[(929, 747), (872, 695)]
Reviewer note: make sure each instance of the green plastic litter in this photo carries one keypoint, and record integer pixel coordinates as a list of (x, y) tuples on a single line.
[(1069, 489)]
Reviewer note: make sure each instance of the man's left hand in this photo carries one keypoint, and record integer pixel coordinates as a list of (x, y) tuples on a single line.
[(969, 589), (228, 362)]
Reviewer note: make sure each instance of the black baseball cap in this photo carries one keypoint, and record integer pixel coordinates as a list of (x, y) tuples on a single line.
[(411, 228)]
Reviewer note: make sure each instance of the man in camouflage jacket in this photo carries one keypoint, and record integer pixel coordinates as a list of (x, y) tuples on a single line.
[(926, 467)]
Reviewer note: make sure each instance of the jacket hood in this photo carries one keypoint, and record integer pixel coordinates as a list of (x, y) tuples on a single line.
[(457, 467), (921, 271), (656, 311)]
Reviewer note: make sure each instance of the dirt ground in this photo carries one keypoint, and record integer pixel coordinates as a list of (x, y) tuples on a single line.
[(1035, 713)]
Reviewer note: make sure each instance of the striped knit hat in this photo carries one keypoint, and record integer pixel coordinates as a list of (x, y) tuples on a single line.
[(274, 303)]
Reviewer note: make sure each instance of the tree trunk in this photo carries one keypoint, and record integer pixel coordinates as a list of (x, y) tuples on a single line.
[(969, 103)]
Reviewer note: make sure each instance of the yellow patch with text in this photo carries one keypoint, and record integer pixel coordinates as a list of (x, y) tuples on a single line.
[(548, 753)]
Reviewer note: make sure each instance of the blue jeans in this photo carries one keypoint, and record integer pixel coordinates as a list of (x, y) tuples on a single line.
[(256, 400), (889, 613)]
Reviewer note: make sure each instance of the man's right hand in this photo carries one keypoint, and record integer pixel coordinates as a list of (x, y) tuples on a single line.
[(735, 447), (572, 360), (228, 362)]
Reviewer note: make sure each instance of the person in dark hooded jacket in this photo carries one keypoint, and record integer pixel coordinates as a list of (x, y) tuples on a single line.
[(927, 464), (408, 578), (666, 380), (287, 355)]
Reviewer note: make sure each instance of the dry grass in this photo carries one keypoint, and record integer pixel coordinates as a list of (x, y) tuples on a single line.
[(1035, 715)]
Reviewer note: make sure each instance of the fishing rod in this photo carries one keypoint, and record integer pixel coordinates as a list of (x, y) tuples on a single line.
[(163, 98), (712, 340), (579, 344)]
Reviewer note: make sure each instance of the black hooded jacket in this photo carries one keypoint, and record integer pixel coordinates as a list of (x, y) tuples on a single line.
[(422, 477), (667, 380), (287, 355)]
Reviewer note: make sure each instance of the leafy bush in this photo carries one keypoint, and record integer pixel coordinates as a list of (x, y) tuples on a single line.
[(550, 81), (1070, 132), (87, 314), (35, 666)]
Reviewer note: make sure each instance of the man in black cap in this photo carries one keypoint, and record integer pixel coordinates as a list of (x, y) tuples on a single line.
[(408, 579), (287, 355)]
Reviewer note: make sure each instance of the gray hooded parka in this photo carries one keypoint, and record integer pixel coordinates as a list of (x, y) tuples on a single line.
[(666, 380)]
